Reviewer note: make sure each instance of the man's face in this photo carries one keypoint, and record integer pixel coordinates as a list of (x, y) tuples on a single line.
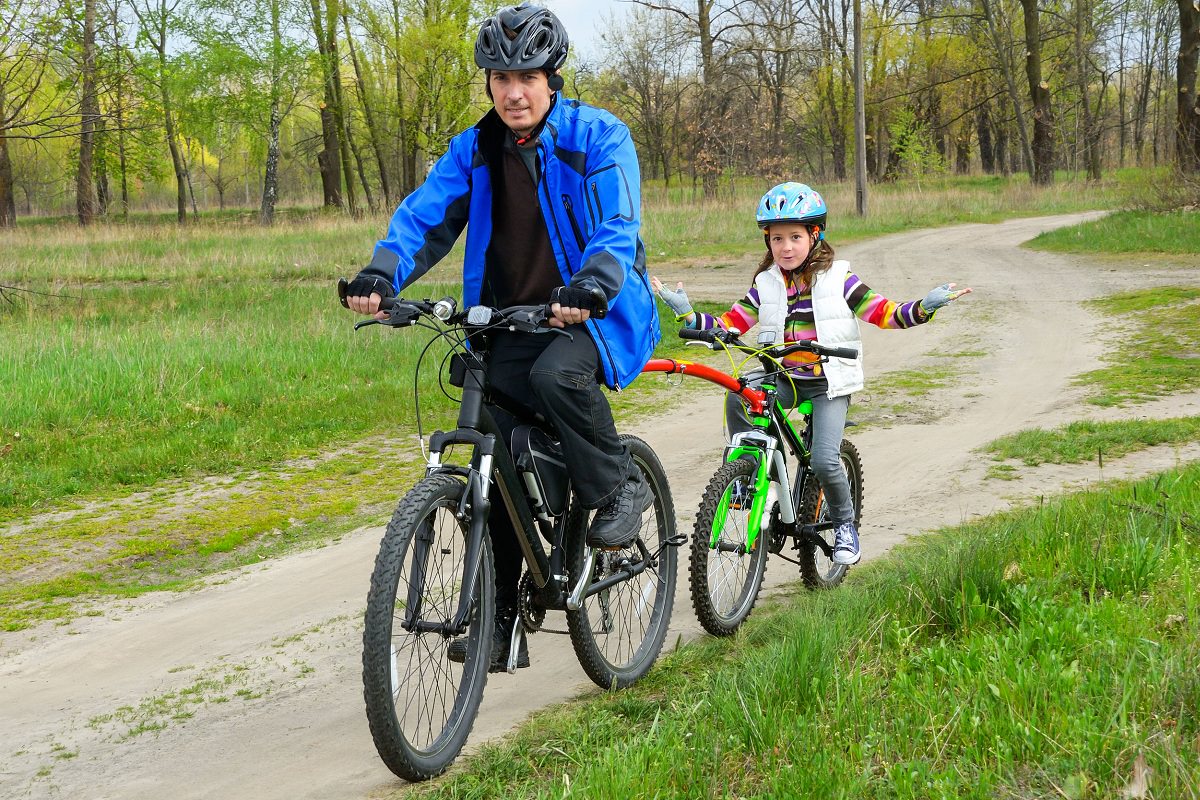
[(521, 97)]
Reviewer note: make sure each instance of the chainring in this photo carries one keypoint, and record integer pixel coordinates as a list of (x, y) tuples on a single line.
[(531, 614), (777, 535)]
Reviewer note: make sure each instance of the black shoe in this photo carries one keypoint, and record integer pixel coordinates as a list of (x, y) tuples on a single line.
[(618, 521), (457, 651)]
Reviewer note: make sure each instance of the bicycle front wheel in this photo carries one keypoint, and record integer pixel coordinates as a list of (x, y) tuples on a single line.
[(420, 705), (817, 569), (619, 631), (726, 577)]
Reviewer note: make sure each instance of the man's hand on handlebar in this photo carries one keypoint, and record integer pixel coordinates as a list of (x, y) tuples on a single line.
[(364, 294), (570, 305)]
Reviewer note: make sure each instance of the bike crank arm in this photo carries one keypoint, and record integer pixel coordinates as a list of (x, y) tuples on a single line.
[(808, 535), (575, 601)]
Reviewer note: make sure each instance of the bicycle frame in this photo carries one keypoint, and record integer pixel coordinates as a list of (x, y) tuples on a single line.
[(760, 445), (490, 457), (491, 465)]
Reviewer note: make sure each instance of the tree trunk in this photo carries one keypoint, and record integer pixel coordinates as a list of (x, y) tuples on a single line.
[(1010, 84), (89, 112), (119, 111), (187, 172), (983, 131), (8, 200), (266, 213), (962, 149), (362, 177), (100, 161), (1039, 94), (329, 159), (372, 127), (1187, 108), (340, 117), (1090, 132), (270, 193)]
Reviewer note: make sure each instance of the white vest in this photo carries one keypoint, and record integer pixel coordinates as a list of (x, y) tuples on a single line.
[(836, 324)]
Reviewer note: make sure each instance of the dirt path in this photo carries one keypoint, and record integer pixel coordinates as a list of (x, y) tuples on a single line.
[(249, 688)]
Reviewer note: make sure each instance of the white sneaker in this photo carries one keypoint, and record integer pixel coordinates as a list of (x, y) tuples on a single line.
[(845, 544)]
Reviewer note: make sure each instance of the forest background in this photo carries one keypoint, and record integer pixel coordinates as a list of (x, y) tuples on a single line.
[(112, 107)]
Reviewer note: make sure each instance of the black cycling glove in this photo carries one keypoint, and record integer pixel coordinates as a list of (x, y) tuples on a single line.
[(365, 285), (592, 300)]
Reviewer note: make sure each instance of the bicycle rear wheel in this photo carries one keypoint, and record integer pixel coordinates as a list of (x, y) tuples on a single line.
[(726, 579), (420, 705), (817, 570), (619, 631)]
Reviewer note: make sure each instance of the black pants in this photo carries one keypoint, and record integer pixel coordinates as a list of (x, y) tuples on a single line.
[(558, 377)]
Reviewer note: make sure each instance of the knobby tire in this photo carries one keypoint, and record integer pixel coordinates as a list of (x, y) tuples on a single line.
[(618, 632), (725, 585), (420, 705)]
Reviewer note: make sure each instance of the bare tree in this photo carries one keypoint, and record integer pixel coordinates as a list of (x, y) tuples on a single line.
[(646, 79), (709, 23), (991, 13)]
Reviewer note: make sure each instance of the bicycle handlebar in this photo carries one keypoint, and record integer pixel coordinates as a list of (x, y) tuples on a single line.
[(526, 318), (718, 339), (402, 313)]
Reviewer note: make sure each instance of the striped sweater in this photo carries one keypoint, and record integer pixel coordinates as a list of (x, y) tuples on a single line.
[(867, 304)]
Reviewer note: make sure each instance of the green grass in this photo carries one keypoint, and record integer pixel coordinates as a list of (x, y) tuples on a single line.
[(1158, 351), (1158, 354), (1084, 441), (136, 385), (1175, 232), (1040, 653)]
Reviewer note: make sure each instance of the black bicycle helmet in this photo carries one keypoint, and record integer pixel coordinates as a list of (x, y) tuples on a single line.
[(521, 37)]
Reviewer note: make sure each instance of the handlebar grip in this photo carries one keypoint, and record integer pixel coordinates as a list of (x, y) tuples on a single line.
[(841, 352), (695, 335), (343, 290)]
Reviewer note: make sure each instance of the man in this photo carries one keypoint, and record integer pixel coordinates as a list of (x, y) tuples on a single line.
[(550, 188)]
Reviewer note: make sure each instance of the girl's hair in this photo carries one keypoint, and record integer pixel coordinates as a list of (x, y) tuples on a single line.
[(819, 260)]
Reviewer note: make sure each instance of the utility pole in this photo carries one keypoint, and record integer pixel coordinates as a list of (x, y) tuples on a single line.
[(860, 117)]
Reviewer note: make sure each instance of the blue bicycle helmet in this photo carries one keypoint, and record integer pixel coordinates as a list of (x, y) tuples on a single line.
[(792, 202)]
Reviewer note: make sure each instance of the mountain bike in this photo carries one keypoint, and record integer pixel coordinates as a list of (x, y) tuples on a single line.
[(751, 497), (434, 579)]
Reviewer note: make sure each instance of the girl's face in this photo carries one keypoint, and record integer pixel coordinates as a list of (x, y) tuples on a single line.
[(790, 243)]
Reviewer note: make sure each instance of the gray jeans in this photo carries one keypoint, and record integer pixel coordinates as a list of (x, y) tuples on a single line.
[(829, 424)]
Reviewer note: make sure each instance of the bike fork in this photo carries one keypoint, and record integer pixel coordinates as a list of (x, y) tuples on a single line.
[(478, 486)]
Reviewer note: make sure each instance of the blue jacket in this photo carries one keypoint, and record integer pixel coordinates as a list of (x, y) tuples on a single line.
[(590, 195)]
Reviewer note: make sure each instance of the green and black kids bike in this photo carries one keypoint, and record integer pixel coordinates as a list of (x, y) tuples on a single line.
[(434, 581), (752, 506)]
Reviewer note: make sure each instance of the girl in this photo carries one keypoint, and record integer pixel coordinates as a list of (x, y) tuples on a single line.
[(800, 292)]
